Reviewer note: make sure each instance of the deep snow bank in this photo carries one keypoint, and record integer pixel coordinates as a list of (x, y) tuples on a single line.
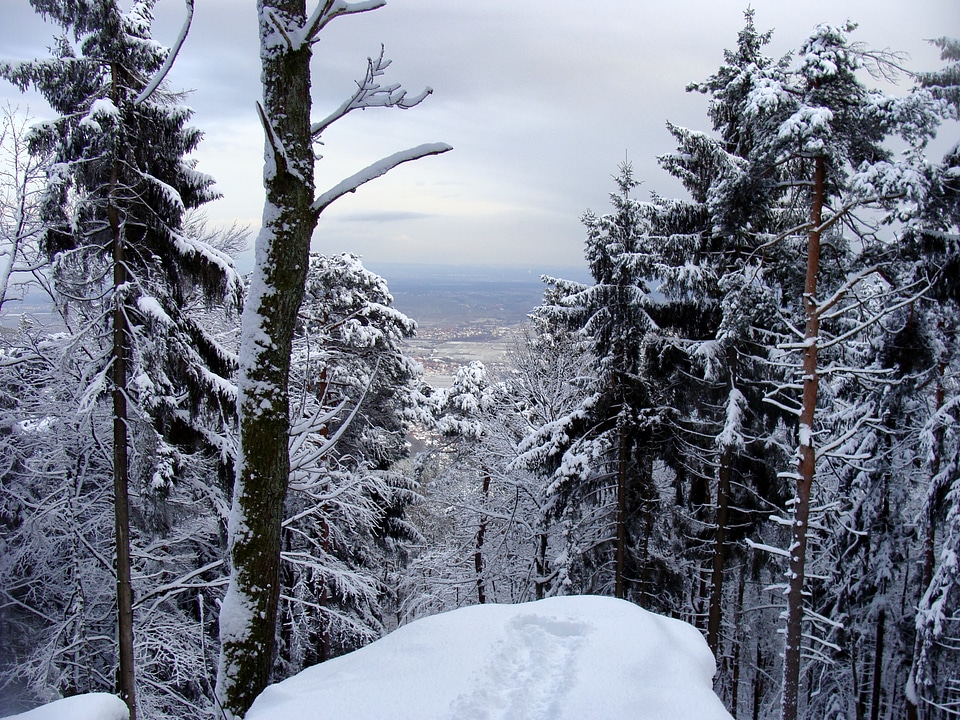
[(92, 706), (570, 658)]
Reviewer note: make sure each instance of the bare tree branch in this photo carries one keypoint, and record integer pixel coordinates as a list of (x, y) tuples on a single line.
[(370, 94), (371, 172), (171, 57)]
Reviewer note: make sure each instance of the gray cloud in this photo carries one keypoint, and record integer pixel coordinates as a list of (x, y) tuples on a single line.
[(540, 99), (383, 217)]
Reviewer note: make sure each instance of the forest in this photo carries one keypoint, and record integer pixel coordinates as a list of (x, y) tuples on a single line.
[(749, 420)]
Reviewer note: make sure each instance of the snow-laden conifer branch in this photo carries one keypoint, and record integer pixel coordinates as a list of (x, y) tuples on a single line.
[(767, 548), (171, 57), (875, 318), (326, 11), (372, 172), (370, 94)]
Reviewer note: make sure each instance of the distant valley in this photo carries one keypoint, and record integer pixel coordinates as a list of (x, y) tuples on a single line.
[(465, 313)]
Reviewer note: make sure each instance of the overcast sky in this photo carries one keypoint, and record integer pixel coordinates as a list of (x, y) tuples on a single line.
[(540, 99)]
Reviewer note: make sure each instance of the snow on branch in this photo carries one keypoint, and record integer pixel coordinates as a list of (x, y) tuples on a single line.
[(171, 57), (766, 548), (372, 172), (370, 94), (326, 11)]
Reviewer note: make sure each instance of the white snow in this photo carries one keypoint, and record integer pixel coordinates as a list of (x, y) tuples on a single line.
[(565, 657), (93, 706)]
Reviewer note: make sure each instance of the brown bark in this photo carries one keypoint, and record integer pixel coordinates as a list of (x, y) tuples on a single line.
[(807, 463), (126, 679)]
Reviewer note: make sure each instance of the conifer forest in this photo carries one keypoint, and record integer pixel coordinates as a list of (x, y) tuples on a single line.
[(749, 419)]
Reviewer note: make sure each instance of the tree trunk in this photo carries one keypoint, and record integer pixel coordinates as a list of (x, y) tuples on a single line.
[(877, 667), (541, 565), (619, 584), (737, 646), (249, 611), (929, 542), (757, 683), (126, 680), (481, 532), (719, 551), (807, 463)]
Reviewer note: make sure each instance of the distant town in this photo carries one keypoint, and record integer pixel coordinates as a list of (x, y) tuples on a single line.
[(465, 313)]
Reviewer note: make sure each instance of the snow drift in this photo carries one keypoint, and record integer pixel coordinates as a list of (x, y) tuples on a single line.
[(92, 706), (567, 657)]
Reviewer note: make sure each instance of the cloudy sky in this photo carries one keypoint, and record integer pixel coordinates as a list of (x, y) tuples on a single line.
[(541, 100)]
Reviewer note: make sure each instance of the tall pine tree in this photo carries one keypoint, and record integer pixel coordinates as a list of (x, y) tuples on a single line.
[(118, 187)]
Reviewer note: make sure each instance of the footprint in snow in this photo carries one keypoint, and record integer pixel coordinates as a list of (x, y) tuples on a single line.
[(527, 674)]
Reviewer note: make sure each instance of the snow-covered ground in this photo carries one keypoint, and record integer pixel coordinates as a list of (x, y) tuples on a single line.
[(93, 706), (574, 658)]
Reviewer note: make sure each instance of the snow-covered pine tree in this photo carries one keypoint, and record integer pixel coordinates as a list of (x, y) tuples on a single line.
[(934, 234), (354, 394), (292, 208), (820, 134), (718, 313), (117, 189), (601, 455)]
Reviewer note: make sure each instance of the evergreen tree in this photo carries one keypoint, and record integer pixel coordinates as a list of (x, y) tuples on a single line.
[(822, 138), (933, 234), (602, 454), (117, 189), (355, 394), (721, 296)]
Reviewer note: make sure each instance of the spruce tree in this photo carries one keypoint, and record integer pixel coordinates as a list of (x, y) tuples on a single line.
[(606, 448), (821, 137), (118, 187)]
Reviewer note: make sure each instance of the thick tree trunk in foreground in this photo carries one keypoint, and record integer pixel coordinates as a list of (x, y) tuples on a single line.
[(807, 463), (249, 613)]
